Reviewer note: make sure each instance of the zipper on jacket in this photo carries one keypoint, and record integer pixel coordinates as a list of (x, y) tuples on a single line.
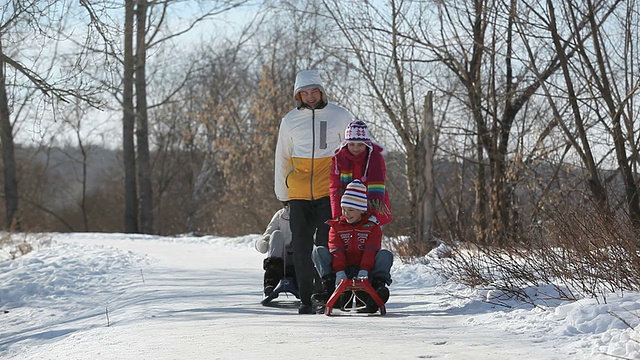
[(313, 150)]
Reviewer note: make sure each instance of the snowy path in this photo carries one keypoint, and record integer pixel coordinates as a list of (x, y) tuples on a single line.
[(201, 301)]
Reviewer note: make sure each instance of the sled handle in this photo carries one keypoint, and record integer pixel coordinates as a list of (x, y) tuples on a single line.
[(354, 285)]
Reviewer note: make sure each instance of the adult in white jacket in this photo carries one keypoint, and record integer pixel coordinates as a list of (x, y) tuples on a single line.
[(308, 136)]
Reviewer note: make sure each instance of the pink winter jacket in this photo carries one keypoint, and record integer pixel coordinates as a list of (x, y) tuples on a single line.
[(370, 168)]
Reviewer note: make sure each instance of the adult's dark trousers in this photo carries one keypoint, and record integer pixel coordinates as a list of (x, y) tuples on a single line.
[(308, 227)]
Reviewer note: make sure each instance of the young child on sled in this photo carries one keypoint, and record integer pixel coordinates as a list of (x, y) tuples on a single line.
[(276, 243), (355, 241)]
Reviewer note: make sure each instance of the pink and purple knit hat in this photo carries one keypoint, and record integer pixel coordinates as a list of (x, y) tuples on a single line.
[(357, 131)]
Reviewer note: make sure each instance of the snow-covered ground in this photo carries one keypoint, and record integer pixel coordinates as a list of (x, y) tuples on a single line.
[(120, 296)]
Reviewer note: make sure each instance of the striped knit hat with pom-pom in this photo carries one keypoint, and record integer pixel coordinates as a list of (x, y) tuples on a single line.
[(355, 196)]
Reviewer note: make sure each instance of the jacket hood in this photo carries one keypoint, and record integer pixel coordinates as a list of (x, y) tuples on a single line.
[(307, 79)]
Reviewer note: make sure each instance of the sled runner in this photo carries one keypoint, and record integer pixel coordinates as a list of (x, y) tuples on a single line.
[(352, 287), (286, 285)]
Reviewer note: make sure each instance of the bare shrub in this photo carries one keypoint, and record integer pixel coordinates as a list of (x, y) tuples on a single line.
[(5, 239), (15, 245), (581, 253), (20, 250), (407, 249), (25, 248)]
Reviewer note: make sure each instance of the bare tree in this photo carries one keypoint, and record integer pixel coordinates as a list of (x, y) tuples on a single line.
[(33, 22), (175, 152), (128, 123), (404, 48), (8, 152), (75, 120), (601, 81), (426, 200), (251, 82), (142, 121), (151, 31), (224, 132), (386, 59), (497, 87)]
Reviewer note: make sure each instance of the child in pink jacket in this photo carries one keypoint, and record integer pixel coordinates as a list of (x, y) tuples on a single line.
[(359, 158)]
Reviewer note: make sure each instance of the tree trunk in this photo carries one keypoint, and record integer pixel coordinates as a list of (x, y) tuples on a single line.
[(607, 91), (128, 126), (84, 184), (416, 190), (12, 221), (480, 221), (427, 199), (201, 190), (594, 183), (142, 127)]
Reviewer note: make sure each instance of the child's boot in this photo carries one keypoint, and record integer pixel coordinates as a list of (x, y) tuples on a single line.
[(329, 284), (273, 272), (379, 285), (320, 299)]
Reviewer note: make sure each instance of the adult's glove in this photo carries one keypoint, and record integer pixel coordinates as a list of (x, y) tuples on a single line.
[(362, 274), (340, 275), (262, 244)]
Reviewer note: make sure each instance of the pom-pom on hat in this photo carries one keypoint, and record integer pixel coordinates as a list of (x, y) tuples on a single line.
[(357, 131), (355, 196)]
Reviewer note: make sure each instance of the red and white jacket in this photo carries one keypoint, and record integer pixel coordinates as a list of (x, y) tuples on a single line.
[(354, 244)]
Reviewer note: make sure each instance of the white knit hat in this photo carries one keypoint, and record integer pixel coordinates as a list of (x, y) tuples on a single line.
[(355, 196), (357, 131)]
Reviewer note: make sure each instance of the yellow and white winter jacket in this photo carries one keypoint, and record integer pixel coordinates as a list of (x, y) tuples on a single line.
[(306, 142)]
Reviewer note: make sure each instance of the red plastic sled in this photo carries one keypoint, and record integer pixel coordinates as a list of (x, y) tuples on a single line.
[(354, 285)]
